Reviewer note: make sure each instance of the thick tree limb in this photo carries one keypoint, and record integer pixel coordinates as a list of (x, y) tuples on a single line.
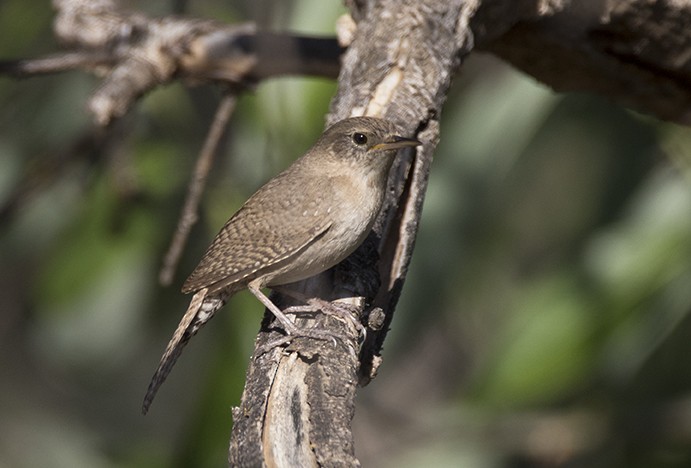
[(635, 52), (404, 78)]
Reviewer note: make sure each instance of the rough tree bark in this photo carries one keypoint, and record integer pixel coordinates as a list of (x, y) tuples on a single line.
[(635, 52), (297, 404), (308, 389)]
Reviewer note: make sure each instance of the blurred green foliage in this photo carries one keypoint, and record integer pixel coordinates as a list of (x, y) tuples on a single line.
[(545, 319)]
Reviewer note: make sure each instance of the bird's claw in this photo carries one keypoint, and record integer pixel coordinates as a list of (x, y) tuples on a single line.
[(296, 332), (339, 310)]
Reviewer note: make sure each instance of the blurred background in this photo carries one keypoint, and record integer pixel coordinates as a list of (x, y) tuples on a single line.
[(545, 320)]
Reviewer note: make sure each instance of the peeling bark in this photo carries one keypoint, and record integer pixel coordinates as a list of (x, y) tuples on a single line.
[(635, 52), (404, 78)]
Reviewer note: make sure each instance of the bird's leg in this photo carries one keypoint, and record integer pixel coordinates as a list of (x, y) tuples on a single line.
[(288, 325)]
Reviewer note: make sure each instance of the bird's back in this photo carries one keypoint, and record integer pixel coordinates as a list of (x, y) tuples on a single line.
[(278, 221)]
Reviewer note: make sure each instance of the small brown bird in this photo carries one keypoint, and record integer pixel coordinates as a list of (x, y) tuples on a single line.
[(300, 223)]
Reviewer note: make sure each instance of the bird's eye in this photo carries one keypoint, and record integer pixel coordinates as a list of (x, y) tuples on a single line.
[(359, 138)]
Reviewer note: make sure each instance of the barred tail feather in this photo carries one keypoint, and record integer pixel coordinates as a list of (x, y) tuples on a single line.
[(200, 311)]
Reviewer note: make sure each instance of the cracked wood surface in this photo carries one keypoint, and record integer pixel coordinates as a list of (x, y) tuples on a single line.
[(404, 78)]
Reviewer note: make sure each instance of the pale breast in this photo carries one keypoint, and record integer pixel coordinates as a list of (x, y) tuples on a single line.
[(351, 213)]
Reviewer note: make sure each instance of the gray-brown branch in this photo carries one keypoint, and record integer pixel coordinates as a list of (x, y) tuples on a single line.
[(403, 76), (308, 390), (635, 52)]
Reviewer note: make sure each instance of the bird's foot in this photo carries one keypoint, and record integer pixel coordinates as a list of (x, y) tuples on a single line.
[(341, 311), (293, 332), (312, 305)]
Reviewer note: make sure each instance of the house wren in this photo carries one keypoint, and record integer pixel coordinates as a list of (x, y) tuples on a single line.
[(300, 223)]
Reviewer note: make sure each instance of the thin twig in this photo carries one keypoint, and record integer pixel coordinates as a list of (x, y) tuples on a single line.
[(56, 63), (189, 216)]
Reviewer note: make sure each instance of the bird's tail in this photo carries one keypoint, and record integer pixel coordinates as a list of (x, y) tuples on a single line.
[(200, 311)]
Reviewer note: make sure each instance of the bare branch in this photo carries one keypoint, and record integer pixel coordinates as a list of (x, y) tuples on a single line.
[(86, 60), (633, 51), (637, 52), (135, 53), (188, 216)]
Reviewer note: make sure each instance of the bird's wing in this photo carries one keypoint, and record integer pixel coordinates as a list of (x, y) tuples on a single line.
[(265, 231)]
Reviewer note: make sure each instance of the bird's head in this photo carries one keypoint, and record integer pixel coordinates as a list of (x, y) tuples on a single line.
[(367, 142)]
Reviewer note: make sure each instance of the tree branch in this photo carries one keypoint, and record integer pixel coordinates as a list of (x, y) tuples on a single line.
[(188, 216), (403, 78), (635, 52), (135, 53)]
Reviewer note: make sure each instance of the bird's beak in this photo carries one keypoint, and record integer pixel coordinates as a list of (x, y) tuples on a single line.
[(395, 142)]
